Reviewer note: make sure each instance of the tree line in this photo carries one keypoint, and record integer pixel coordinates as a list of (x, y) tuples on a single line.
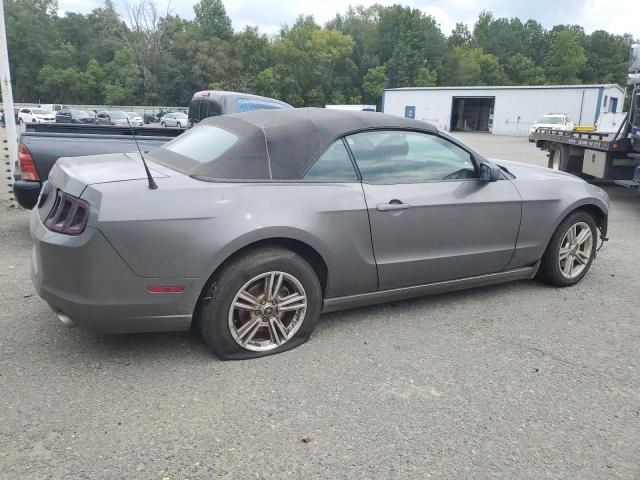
[(148, 57)]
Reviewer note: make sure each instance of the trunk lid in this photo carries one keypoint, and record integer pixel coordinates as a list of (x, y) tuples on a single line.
[(73, 174)]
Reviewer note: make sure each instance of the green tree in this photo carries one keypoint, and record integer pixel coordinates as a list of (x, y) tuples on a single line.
[(361, 24), (375, 81), (121, 84), (607, 58), (30, 39), (566, 58), (426, 77), (317, 61), (409, 40), (522, 70), (460, 35), (213, 19)]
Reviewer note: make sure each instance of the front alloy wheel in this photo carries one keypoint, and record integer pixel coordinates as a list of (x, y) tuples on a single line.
[(267, 311), (575, 250), (570, 251)]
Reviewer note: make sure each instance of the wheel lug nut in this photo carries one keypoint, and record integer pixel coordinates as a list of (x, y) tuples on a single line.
[(265, 319), (274, 302), (263, 302), (257, 312)]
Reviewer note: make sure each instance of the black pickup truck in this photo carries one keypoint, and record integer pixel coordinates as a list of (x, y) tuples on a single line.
[(42, 144)]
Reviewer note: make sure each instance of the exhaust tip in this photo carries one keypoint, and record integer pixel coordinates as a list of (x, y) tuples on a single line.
[(66, 321)]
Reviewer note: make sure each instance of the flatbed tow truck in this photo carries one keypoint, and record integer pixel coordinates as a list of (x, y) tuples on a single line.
[(597, 155)]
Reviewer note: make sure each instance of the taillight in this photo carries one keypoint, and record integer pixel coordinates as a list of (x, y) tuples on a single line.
[(27, 167), (69, 215)]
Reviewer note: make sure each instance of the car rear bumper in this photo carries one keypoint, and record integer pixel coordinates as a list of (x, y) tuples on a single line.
[(26, 193), (85, 281)]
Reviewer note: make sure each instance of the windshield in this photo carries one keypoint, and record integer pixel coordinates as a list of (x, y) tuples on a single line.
[(39, 111), (551, 120), (80, 113), (133, 114), (118, 115), (180, 115)]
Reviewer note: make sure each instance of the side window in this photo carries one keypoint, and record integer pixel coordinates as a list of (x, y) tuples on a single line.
[(334, 165), (409, 157)]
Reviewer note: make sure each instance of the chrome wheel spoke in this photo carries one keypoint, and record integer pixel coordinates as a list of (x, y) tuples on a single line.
[(281, 327), (568, 266), (564, 253), (292, 303), (582, 257), (274, 283), (572, 234), (274, 334), (248, 330), (249, 302), (584, 235)]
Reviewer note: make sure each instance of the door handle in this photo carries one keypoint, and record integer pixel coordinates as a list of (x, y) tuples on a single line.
[(392, 206)]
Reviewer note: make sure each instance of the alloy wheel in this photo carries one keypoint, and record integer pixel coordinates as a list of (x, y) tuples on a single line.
[(576, 248), (267, 311)]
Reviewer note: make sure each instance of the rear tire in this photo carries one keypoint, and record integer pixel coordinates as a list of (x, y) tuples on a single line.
[(569, 256), (267, 330)]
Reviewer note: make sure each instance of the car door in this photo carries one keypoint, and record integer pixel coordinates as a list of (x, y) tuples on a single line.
[(432, 218)]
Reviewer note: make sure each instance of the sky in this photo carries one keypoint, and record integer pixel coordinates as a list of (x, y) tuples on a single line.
[(620, 16)]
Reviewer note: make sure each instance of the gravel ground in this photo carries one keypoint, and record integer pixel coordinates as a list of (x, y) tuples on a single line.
[(513, 381)]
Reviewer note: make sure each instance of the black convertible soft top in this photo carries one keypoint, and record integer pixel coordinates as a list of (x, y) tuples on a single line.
[(282, 144)]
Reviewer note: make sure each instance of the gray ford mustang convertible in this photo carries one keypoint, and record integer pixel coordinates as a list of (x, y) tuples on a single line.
[(261, 221)]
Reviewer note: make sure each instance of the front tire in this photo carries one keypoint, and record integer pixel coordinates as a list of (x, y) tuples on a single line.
[(264, 302), (570, 252), (179, 126), (163, 125)]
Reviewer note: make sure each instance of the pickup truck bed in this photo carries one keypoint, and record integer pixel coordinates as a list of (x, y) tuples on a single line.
[(48, 142)]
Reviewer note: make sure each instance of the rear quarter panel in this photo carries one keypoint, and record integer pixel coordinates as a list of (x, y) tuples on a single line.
[(188, 228)]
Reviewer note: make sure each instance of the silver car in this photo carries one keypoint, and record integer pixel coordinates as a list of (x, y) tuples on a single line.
[(135, 119), (177, 119), (115, 117), (261, 221)]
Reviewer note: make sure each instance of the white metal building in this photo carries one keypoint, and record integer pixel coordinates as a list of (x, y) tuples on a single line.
[(501, 110)]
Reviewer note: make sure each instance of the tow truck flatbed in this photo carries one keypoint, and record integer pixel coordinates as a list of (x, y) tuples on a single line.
[(592, 140)]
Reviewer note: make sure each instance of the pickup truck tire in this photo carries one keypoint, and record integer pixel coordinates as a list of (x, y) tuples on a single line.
[(581, 254)]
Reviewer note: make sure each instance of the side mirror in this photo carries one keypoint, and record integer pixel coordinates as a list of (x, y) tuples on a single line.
[(489, 172)]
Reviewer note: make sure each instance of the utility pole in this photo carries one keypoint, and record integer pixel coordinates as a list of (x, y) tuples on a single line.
[(10, 143)]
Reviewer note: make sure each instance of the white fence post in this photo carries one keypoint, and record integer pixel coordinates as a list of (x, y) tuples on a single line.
[(9, 133)]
